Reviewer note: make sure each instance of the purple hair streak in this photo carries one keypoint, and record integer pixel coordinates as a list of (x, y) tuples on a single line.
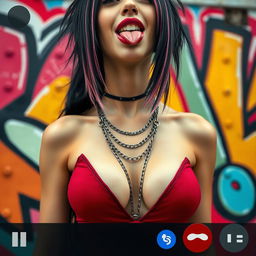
[(87, 81)]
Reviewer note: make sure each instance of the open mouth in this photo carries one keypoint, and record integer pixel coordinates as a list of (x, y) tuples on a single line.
[(130, 24), (130, 31), (130, 28)]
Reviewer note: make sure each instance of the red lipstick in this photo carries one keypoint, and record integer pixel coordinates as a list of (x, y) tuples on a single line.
[(132, 37), (130, 21)]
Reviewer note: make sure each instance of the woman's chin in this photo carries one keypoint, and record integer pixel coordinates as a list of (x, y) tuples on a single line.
[(132, 58)]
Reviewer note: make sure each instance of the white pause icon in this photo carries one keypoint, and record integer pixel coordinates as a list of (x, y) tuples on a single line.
[(15, 239), (238, 240)]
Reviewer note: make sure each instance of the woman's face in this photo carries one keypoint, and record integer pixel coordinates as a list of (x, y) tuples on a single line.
[(129, 42)]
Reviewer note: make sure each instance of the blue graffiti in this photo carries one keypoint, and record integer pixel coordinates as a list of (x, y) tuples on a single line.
[(236, 190), (51, 4)]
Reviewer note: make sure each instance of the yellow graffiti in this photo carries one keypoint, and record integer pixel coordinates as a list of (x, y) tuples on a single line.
[(46, 107), (223, 84)]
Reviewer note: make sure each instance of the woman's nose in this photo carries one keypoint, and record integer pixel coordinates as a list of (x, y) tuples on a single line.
[(129, 8)]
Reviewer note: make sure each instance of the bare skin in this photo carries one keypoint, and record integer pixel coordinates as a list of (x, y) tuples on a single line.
[(179, 135)]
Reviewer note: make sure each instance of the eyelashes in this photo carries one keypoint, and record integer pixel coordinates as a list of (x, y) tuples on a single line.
[(109, 1), (116, 1)]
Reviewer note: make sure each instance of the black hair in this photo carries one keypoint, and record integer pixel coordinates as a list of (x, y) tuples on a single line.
[(87, 79)]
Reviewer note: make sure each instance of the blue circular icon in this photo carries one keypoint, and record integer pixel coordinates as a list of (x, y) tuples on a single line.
[(166, 239)]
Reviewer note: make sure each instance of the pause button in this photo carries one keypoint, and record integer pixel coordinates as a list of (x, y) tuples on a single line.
[(16, 240)]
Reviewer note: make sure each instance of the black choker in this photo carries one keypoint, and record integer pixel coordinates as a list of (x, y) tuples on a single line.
[(125, 98)]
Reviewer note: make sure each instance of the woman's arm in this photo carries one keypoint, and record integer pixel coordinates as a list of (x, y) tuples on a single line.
[(54, 206), (204, 138)]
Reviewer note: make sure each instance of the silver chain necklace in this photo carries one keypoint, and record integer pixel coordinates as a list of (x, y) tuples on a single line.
[(105, 125)]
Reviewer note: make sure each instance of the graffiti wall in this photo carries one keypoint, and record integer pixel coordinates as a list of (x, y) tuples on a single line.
[(218, 81)]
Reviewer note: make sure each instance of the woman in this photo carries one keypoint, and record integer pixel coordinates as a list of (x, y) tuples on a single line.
[(118, 154)]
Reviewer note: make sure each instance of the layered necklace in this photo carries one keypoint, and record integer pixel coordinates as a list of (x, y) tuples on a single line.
[(108, 128)]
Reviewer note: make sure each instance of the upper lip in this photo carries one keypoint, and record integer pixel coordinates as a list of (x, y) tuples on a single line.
[(130, 21)]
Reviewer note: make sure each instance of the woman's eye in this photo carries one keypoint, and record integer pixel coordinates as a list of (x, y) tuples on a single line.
[(113, 1), (109, 1)]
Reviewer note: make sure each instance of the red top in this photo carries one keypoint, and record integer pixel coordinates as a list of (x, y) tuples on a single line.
[(93, 201)]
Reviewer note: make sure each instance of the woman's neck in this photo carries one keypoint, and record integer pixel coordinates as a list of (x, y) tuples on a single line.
[(127, 81)]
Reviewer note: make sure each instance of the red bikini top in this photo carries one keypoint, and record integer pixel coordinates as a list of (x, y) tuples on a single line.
[(93, 201)]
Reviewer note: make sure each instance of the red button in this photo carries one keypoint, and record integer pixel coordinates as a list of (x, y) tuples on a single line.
[(197, 237)]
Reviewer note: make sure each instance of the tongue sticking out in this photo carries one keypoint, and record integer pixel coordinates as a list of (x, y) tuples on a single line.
[(132, 36)]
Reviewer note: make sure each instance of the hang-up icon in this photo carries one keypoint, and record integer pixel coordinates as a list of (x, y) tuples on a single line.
[(16, 240), (197, 237)]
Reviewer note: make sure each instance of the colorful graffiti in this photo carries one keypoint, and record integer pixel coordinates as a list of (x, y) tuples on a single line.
[(218, 81)]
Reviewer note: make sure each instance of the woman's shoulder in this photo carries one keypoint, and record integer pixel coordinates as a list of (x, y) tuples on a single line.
[(62, 129), (197, 126), (194, 125)]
